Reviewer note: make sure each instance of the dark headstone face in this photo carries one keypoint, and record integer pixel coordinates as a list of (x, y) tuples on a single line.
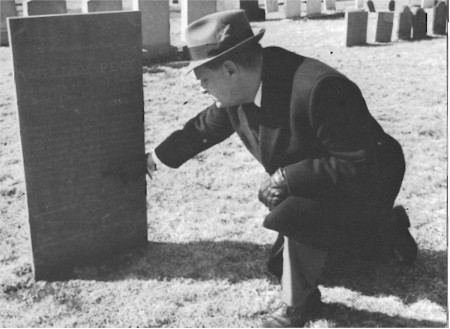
[(46, 7), (371, 6), (392, 5), (254, 13), (356, 22), (405, 24), (440, 18), (80, 102), (419, 23)]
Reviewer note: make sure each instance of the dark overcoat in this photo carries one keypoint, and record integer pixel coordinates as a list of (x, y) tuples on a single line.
[(343, 170)]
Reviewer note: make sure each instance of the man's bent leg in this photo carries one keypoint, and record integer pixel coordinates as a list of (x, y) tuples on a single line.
[(302, 269)]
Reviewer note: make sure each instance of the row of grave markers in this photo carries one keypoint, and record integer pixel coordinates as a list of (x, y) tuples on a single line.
[(410, 23)]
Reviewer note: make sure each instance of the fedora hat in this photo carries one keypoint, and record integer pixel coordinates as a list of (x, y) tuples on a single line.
[(218, 35)]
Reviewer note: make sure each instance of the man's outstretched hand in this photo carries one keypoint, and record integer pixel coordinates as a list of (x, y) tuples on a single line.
[(151, 165), (274, 189)]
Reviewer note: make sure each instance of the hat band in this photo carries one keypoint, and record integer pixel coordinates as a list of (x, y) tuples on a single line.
[(214, 49)]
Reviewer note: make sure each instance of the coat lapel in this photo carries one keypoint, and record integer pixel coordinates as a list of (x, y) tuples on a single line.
[(275, 106)]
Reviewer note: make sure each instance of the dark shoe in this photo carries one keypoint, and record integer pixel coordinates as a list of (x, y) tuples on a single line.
[(294, 317), (404, 247)]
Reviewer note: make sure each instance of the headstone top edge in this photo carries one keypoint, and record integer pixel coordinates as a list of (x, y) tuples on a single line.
[(71, 15)]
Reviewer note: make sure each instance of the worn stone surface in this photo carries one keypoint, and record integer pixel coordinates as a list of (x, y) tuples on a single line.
[(44, 7), (356, 22), (192, 10), (313, 8), (292, 8), (92, 6), (79, 91), (385, 22), (7, 9), (271, 6), (427, 4), (405, 24), (419, 23), (440, 22)]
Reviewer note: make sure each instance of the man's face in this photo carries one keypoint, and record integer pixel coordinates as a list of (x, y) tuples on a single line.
[(219, 83)]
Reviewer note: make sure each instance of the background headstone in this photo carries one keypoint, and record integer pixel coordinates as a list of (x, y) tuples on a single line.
[(44, 7), (405, 24), (156, 28), (371, 6), (80, 103), (419, 23), (254, 13), (313, 8), (385, 22), (228, 4), (356, 23), (414, 3), (92, 6), (359, 4), (330, 5), (192, 10), (7, 9), (392, 5), (427, 4), (271, 6), (440, 22), (292, 8)]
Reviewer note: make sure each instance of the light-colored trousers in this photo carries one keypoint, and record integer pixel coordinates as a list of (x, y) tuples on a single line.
[(302, 269)]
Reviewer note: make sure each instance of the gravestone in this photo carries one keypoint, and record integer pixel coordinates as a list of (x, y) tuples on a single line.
[(371, 6), (356, 23), (155, 28), (292, 8), (427, 4), (405, 24), (392, 5), (80, 107), (419, 23), (7, 9), (192, 10), (252, 10), (271, 6), (228, 5), (330, 5), (92, 6), (440, 21), (385, 22), (313, 8), (415, 3), (359, 4), (44, 7)]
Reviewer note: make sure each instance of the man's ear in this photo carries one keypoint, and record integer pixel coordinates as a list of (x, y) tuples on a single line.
[(230, 69)]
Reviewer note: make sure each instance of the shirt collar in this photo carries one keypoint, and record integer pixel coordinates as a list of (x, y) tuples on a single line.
[(258, 96)]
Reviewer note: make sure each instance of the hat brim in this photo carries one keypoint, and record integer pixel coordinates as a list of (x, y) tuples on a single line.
[(239, 46)]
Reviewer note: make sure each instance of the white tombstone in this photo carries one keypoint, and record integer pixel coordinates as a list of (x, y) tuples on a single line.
[(330, 4), (43, 7), (292, 8), (271, 6), (427, 4), (228, 4), (155, 27), (192, 10), (359, 4), (313, 8), (415, 2), (7, 9)]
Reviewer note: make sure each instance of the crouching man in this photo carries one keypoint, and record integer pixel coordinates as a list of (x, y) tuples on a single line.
[(334, 172)]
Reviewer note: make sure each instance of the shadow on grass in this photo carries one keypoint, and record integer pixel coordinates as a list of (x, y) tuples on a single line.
[(426, 279), (343, 316)]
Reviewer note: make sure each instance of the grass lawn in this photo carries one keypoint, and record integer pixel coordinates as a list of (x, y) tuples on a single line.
[(204, 264)]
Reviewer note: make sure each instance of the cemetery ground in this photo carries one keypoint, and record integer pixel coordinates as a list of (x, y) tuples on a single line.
[(204, 264)]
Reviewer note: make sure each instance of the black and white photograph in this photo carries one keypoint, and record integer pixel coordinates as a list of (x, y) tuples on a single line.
[(224, 164)]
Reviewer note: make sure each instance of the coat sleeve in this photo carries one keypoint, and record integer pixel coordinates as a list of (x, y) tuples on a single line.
[(345, 130), (209, 127)]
